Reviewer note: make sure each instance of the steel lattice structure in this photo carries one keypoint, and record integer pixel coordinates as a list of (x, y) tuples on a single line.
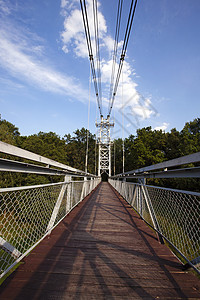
[(104, 142)]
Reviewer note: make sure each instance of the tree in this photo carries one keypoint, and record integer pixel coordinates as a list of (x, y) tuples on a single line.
[(190, 137), (173, 144), (145, 148), (48, 144), (8, 132), (76, 149)]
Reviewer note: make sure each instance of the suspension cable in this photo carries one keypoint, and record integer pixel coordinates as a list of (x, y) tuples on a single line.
[(123, 157), (89, 45), (114, 160), (96, 31), (123, 53), (118, 22), (87, 139), (95, 154)]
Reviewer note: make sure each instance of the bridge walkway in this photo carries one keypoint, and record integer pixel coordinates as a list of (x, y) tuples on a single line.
[(101, 250)]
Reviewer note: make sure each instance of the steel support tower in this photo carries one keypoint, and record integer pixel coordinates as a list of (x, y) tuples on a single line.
[(104, 142)]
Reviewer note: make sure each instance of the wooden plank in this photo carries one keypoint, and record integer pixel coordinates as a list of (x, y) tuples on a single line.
[(101, 250)]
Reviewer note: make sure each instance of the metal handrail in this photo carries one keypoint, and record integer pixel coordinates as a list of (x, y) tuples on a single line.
[(174, 215), (160, 170), (16, 166)]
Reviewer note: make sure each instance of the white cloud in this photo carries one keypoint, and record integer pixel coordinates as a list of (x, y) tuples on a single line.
[(73, 26), (73, 35), (21, 57), (63, 3), (73, 38), (127, 96), (162, 127)]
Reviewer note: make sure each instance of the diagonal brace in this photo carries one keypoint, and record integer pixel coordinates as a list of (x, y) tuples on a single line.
[(152, 213)]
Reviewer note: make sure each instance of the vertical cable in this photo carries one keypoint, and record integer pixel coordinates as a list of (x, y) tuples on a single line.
[(123, 53), (114, 146), (96, 32), (87, 141), (119, 12), (114, 159), (95, 154), (123, 158), (89, 45)]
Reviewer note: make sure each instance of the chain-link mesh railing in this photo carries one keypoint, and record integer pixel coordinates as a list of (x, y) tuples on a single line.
[(174, 214), (28, 214)]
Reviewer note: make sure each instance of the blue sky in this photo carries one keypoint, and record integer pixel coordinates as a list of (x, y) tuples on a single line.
[(44, 66)]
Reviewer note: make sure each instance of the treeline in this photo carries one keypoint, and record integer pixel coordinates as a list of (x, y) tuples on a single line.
[(145, 148), (154, 146), (69, 150)]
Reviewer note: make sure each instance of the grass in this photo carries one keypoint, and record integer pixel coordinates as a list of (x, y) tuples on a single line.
[(10, 272), (174, 232), (25, 216)]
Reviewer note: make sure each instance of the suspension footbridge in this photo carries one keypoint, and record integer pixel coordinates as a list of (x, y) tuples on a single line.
[(81, 238), (87, 239), (101, 250)]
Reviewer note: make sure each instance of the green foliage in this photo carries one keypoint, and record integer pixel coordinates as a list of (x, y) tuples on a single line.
[(46, 144), (154, 146), (146, 148), (8, 132), (70, 150), (76, 149)]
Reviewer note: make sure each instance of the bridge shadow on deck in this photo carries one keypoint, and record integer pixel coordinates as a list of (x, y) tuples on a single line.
[(101, 250)]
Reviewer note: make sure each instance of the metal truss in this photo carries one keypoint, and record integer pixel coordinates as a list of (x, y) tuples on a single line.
[(104, 142)]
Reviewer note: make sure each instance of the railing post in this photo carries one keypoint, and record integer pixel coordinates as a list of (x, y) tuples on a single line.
[(83, 189), (140, 196), (134, 196), (124, 188), (140, 201), (93, 184), (152, 213), (57, 205), (68, 202), (120, 187)]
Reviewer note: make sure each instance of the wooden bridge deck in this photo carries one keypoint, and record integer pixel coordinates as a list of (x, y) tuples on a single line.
[(101, 250)]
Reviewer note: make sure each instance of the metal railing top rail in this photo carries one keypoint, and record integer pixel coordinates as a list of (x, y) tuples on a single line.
[(147, 172), (175, 173), (15, 166), (29, 187), (165, 189)]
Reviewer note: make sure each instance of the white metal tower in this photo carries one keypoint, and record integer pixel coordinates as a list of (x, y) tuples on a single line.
[(104, 142)]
